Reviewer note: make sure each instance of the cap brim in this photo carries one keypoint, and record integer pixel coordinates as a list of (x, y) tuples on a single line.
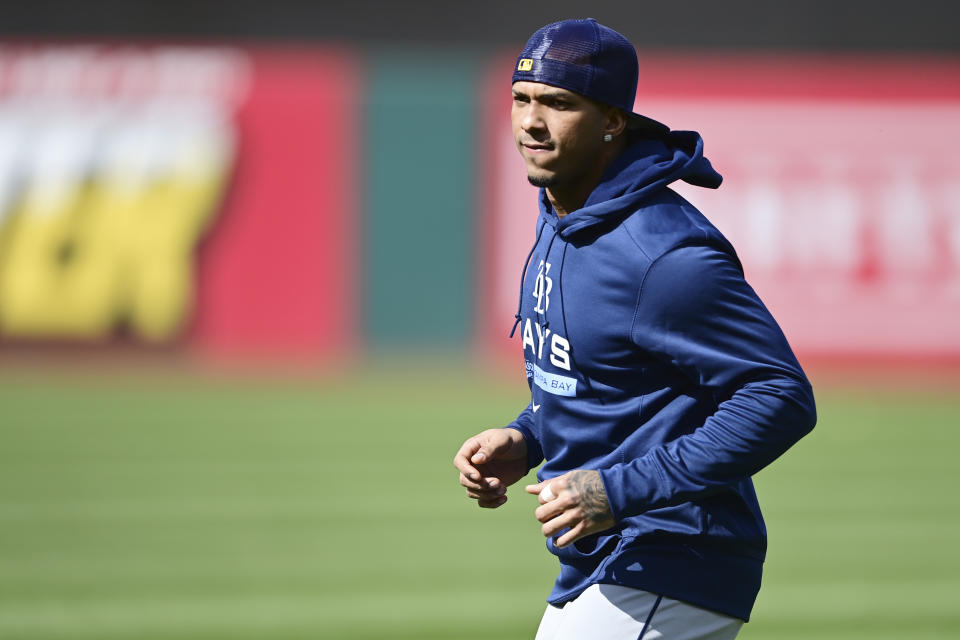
[(637, 122)]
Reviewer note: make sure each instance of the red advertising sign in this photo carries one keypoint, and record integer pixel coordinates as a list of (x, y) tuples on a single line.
[(841, 193), (176, 192)]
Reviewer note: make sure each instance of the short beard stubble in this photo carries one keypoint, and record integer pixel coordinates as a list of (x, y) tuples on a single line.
[(543, 182)]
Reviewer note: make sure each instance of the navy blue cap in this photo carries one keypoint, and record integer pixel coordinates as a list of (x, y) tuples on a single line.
[(587, 58)]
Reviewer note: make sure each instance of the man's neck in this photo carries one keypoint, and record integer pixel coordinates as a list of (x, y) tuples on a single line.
[(568, 198), (566, 201)]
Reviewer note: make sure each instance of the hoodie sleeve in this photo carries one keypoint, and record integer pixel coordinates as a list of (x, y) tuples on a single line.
[(526, 425), (696, 312)]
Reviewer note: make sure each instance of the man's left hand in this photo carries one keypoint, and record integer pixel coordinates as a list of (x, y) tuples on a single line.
[(578, 502)]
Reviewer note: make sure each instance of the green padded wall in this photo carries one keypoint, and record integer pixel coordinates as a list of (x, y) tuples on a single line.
[(419, 200)]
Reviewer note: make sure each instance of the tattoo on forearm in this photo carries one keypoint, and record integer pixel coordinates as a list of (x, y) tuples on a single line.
[(593, 499)]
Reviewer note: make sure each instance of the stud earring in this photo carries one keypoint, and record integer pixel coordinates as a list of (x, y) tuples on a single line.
[(607, 137)]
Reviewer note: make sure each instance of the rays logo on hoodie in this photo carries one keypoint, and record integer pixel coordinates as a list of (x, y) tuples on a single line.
[(542, 286), (536, 336)]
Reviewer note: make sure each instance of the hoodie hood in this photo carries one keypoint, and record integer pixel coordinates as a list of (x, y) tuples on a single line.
[(644, 168)]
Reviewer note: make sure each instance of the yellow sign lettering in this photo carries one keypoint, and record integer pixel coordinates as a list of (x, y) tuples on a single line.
[(83, 254)]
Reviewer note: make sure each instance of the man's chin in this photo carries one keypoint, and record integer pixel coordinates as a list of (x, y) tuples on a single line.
[(541, 180)]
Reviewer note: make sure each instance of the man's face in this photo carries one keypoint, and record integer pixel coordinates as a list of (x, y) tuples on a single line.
[(559, 133)]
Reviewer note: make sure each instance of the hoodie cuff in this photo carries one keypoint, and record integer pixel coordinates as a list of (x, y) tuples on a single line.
[(630, 488)]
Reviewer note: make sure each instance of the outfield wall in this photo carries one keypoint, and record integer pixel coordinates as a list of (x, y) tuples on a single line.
[(309, 201)]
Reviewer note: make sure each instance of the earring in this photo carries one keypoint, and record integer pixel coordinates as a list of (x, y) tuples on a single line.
[(607, 137)]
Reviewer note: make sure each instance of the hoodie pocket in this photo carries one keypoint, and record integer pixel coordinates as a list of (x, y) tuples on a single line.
[(587, 553)]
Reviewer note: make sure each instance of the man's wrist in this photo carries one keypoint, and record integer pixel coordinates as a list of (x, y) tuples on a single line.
[(531, 448)]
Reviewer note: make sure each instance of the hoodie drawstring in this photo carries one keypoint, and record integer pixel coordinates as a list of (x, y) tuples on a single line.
[(523, 277), (545, 324)]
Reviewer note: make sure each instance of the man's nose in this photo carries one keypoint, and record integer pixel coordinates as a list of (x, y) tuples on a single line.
[(532, 119)]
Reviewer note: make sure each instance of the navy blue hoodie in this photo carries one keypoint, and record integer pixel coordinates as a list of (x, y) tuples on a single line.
[(651, 359)]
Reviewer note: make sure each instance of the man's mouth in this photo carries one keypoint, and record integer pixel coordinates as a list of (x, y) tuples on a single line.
[(537, 146)]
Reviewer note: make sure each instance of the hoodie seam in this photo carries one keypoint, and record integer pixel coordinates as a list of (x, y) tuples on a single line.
[(636, 306), (626, 229), (643, 281)]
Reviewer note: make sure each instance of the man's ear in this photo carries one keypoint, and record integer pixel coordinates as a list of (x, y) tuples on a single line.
[(616, 121)]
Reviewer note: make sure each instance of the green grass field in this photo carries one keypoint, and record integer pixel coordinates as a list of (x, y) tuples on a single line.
[(157, 505)]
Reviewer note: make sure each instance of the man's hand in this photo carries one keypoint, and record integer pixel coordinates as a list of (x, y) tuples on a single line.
[(576, 500), (489, 462)]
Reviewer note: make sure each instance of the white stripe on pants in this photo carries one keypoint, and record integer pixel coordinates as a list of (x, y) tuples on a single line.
[(612, 612)]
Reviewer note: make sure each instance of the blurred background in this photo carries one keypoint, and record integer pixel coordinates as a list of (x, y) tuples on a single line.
[(258, 263)]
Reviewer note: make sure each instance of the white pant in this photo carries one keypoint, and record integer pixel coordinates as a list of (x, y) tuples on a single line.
[(612, 612)]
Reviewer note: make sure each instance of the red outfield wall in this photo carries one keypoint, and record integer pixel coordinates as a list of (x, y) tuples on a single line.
[(278, 276), (210, 194), (196, 193), (841, 193)]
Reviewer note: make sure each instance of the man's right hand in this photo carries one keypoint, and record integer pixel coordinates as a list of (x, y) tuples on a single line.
[(489, 462)]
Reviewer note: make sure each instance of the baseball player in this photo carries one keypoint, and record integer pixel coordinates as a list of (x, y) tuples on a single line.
[(659, 381)]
